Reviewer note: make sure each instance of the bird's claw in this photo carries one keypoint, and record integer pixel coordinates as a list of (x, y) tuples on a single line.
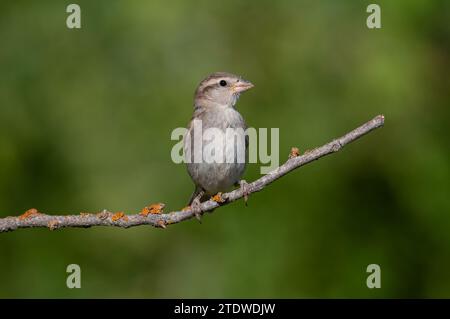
[(196, 205), (196, 209), (245, 190)]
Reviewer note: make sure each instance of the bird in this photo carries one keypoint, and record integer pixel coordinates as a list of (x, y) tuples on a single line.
[(215, 106)]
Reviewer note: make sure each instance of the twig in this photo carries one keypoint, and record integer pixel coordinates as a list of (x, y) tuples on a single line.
[(153, 215)]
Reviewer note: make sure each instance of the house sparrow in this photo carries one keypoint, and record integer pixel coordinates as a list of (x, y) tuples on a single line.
[(214, 104)]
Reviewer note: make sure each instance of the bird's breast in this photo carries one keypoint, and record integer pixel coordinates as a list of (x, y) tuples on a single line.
[(223, 159)]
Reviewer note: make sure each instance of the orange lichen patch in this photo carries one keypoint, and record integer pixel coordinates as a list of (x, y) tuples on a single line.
[(153, 209), (218, 198), (186, 208), (294, 152), (29, 213), (117, 216), (157, 208), (145, 211), (53, 224), (83, 214)]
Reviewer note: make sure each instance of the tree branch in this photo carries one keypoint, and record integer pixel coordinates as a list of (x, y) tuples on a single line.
[(153, 216)]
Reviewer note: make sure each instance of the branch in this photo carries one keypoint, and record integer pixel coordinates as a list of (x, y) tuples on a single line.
[(153, 215)]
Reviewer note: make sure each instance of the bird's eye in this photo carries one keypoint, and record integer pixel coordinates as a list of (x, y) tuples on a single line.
[(223, 83)]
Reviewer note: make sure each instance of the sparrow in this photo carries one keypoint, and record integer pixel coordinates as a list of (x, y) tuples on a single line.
[(215, 106)]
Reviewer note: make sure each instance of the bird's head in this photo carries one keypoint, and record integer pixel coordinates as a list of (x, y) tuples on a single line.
[(220, 89)]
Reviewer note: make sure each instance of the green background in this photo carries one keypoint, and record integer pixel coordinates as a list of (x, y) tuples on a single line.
[(85, 123)]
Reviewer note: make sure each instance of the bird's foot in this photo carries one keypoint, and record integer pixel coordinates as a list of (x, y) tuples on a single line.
[(196, 206), (245, 190)]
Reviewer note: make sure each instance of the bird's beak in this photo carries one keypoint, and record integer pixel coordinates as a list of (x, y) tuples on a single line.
[(241, 86)]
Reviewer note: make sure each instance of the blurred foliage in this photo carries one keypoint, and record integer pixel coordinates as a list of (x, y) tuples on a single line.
[(85, 123)]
